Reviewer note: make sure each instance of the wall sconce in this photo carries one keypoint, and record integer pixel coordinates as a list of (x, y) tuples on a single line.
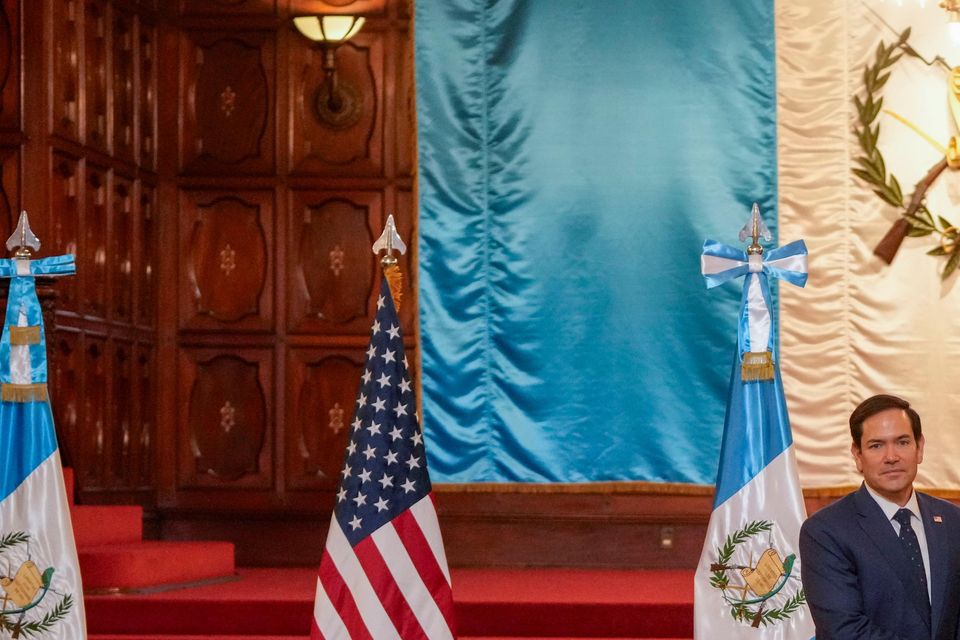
[(336, 103)]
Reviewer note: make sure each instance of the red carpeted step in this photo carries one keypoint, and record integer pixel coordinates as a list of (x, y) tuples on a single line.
[(99, 525), (490, 603), (150, 563)]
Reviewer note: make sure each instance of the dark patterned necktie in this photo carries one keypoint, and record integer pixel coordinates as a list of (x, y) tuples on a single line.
[(908, 538)]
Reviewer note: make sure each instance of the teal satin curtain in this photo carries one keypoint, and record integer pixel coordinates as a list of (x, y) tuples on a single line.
[(573, 158)]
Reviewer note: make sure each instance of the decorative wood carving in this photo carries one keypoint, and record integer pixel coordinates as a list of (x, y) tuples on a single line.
[(147, 93), (226, 431), (124, 88), (123, 248), (64, 190), (66, 69), (95, 72), (92, 262), (65, 386), (355, 150), (334, 280), (10, 64), (94, 432), (227, 279), (322, 393), (229, 120), (228, 7), (146, 269)]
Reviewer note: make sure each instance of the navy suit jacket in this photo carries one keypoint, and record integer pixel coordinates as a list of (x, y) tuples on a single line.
[(856, 573)]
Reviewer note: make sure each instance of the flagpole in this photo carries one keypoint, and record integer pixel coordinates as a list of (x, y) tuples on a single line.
[(384, 573)]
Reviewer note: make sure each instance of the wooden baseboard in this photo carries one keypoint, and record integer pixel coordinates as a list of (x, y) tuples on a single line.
[(501, 526)]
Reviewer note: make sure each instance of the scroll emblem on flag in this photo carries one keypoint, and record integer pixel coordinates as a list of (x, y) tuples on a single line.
[(758, 593), (29, 601)]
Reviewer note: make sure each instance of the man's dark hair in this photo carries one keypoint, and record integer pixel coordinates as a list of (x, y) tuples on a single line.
[(877, 404)]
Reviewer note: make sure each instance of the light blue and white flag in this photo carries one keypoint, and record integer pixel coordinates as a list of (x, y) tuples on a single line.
[(747, 584), (40, 589)]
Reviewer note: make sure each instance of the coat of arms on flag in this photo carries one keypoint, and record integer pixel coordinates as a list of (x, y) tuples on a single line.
[(747, 583), (40, 589), (384, 572)]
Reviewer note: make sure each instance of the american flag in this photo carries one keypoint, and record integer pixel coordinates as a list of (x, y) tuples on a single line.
[(384, 572)]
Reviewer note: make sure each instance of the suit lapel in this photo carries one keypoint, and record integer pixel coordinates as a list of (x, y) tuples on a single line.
[(937, 551), (880, 530)]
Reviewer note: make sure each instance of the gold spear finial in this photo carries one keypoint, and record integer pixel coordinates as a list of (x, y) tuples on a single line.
[(390, 241), (22, 239)]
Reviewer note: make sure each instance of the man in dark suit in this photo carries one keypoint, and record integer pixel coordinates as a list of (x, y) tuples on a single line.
[(883, 563)]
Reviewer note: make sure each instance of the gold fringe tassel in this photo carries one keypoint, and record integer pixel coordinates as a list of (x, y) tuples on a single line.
[(25, 335), (395, 282), (24, 392), (757, 366)]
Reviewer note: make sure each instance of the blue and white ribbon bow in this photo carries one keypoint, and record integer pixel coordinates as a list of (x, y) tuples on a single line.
[(720, 263)]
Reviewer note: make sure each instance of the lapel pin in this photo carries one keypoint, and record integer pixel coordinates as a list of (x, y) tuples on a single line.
[(938, 519)]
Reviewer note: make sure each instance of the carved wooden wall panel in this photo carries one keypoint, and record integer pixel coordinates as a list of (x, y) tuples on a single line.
[(227, 277), (226, 418), (96, 47), (228, 7), (9, 64), (92, 261), (64, 205), (321, 396), (9, 189), (94, 430), (124, 86), (143, 462), (121, 262), (333, 280), (353, 150), (229, 119), (123, 441), (66, 76), (146, 268), (147, 91), (65, 390)]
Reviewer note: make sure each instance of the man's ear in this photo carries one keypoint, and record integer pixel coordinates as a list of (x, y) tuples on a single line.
[(920, 443), (857, 455)]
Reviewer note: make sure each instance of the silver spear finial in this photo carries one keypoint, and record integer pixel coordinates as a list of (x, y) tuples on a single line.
[(22, 239), (389, 241)]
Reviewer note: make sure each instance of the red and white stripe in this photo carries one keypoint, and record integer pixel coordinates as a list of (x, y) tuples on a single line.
[(393, 584)]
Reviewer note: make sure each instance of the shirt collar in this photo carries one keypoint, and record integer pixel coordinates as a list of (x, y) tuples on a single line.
[(890, 508)]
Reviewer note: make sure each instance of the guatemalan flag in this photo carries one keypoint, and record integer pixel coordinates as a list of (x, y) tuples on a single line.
[(40, 589), (747, 584)]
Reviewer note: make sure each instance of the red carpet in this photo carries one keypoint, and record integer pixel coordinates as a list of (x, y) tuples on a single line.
[(491, 603)]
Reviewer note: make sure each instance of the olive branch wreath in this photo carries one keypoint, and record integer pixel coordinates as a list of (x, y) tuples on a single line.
[(719, 579), (50, 618), (873, 171)]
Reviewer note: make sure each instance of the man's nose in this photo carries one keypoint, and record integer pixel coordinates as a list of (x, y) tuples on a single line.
[(890, 454)]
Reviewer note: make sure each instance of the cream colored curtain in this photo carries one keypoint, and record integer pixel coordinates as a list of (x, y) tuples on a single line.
[(861, 327)]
